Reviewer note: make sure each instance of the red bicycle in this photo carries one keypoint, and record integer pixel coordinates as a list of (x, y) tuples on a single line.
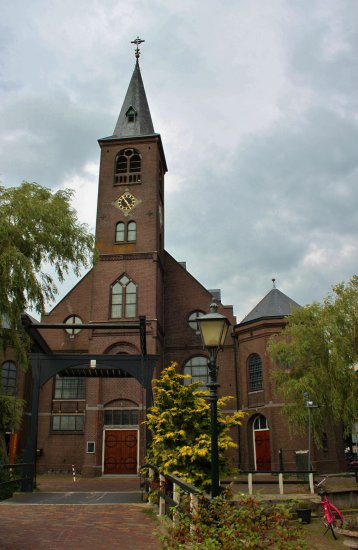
[(332, 516)]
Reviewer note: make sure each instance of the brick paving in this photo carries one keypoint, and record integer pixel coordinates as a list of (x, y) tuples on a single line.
[(32, 526), (77, 527)]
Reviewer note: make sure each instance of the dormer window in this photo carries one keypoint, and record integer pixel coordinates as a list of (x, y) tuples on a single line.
[(131, 114), (128, 167)]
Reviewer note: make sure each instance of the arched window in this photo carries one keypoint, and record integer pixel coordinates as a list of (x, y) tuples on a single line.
[(128, 167), (126, 233), (193, 320), (254, 366), (197, 367), (8, 377), (260, 423), (124, 298), (120, 232), (131, 232)]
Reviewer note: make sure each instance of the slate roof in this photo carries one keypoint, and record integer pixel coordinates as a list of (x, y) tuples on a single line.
[(135, 98), (274, 304)]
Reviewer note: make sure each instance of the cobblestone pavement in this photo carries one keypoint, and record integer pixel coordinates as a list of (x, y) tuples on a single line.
[(77, 527)]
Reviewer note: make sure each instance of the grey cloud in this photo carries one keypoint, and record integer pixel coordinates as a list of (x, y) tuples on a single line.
[(53, 137), (284, 191), (261, 133)]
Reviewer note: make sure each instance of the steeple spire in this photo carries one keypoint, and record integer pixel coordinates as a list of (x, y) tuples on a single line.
[(134, 119)]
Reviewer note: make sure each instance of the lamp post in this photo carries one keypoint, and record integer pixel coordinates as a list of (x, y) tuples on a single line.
[(309, 405), (213, 330)]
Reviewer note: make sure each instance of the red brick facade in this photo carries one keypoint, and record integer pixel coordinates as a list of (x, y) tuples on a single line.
[(285, 449)]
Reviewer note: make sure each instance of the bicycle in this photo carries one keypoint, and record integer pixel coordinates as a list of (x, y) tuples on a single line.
[(332, 516)]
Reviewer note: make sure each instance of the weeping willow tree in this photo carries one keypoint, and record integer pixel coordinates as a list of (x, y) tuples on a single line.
[(41, 240), (318, 353)]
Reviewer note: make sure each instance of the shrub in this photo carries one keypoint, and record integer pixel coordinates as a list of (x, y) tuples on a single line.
[(181, 429), (239, 525)]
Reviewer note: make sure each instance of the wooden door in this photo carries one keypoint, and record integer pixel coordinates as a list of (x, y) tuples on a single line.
[(120, 452), (262, 450)]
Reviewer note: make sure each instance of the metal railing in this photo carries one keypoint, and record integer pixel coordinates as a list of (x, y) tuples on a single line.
[(279, 478), (25, 474), (172, 491)]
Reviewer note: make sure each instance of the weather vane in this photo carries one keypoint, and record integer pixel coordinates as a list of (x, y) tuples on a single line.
[(137, 41)]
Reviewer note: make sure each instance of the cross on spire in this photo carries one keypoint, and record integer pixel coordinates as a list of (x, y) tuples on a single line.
[(137, 41)]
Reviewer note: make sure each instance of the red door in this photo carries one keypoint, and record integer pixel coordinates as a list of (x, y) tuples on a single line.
[(120, 452), (262, 449)]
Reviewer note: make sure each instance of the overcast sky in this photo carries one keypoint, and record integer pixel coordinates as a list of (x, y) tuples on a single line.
[(256, 103)]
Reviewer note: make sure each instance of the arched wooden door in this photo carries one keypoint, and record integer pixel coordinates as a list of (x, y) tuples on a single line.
[(261, 436), (120, 452)]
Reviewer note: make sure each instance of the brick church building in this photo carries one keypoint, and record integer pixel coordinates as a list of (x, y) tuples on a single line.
[(91, 411)]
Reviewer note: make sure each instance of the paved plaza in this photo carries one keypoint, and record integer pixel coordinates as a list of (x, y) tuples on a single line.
[(85, 515)]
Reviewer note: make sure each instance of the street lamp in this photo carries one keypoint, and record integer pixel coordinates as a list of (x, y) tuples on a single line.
[(213, 330), (309, 405)]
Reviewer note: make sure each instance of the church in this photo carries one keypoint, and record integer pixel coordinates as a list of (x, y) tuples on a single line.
[(131, 315)]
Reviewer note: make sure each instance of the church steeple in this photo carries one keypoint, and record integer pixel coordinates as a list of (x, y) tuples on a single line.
[(130, 210), (134, 119)]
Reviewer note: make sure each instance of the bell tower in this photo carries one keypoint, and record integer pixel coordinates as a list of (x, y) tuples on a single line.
[(130, 212)]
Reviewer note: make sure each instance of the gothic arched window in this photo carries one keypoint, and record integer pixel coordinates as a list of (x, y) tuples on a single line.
[(254, 367), (127, 167), (124, 298)]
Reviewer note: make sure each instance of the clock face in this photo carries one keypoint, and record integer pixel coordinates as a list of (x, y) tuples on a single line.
[(126, 202)]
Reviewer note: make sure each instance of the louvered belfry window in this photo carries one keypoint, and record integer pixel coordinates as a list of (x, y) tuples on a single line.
[(128, 167)]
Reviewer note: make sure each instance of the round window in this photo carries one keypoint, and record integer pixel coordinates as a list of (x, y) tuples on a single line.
[(73, 320), (193, 320)]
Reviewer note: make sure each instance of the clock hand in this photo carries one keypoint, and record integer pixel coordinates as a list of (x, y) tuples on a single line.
[(127, 203)]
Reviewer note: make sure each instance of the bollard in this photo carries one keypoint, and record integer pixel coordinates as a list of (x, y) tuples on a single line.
[(249, 481), (310, 479), (280, 482)]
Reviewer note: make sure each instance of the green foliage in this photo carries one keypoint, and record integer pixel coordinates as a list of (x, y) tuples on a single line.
[(10, 412), (316, 353), (10, 417), (228, 526), (38, 229), (180, 426)]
